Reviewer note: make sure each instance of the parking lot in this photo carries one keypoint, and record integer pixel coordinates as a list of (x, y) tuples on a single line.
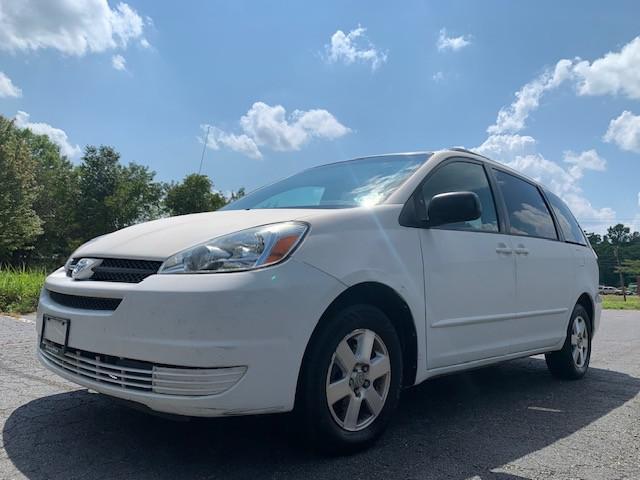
[(511, 421)]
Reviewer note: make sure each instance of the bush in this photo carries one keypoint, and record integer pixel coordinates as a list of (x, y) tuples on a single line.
[(20, 289)]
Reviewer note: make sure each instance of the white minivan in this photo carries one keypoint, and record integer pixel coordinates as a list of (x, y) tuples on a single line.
[(327, 293)]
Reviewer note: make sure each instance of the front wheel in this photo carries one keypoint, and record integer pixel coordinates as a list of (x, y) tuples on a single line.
[(572, 362), (351, 380)]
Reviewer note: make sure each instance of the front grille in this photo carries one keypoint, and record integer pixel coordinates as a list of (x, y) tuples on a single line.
[(85, 303), (129, 374), (121, 270)]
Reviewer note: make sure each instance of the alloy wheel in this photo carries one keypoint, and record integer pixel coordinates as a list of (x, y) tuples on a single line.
[(579, 342), (358, 380)]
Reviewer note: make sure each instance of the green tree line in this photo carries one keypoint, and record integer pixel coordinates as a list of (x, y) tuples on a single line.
[(49, 206), (618, 255)]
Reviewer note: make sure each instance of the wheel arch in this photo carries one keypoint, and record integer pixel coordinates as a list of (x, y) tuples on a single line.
[(586, 302), (393, 305)]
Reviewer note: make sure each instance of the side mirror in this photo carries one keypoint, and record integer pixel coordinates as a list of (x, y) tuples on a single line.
[(453, 207)]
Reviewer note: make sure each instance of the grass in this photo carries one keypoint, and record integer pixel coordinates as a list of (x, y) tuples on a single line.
[(20, 288), (616, 302)]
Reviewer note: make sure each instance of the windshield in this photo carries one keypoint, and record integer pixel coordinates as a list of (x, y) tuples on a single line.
[(355, 183)]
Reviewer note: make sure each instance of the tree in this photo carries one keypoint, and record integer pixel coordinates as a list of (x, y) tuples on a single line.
[(98, 178), (55, 201), (236, 195), (193, 195), (594, 238), (631, 267), (619, 239), (619, 235), (137, 198), (112, 196), (19, 222)]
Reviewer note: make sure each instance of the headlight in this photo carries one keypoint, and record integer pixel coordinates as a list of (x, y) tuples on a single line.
[(67, 264), (244, 250)]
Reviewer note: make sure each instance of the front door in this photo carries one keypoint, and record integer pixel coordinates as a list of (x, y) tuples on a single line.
[(469, 270)]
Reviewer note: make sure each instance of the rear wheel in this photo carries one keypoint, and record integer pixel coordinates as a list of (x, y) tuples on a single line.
[(351, 380), (572, 361)]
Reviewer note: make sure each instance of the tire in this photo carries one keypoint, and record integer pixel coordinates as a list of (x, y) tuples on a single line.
[(336, 383), (572, 362)]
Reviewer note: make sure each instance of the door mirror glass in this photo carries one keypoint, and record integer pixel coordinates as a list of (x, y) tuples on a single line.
[(453, 207)]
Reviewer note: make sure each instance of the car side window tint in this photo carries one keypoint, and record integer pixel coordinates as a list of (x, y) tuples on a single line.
[(568, 224), (527, 210), (464, 177)]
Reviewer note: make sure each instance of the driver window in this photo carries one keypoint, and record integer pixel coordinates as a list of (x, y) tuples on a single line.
[(464, 177)]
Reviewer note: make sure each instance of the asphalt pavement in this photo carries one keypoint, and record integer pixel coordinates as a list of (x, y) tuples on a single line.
[(507, 422)]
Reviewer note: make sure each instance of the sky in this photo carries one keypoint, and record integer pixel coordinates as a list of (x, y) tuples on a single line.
[(266, 89)]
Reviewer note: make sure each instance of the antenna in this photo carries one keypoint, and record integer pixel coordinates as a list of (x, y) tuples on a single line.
[(204, 148)]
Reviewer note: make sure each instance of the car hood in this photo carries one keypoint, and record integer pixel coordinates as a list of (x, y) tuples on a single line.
[(159, 239)]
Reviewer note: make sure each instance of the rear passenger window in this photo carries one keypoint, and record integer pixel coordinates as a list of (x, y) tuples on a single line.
[(527, 210), (464, 177), (568, 224)]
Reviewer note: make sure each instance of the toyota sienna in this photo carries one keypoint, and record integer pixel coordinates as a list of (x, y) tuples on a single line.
[(327, 293)]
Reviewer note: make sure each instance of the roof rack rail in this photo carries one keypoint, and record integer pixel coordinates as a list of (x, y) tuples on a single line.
[(466, 150)]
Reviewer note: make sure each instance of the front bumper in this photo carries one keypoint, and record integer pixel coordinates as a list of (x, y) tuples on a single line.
[(257, 323)]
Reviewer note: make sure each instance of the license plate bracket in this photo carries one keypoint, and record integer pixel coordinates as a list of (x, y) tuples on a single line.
[(56, 330)]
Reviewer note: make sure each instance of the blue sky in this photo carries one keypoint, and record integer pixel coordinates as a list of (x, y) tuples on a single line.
[(284, 86)]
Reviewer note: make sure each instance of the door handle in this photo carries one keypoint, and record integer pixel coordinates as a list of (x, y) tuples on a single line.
[(521, 250), (502, 248)]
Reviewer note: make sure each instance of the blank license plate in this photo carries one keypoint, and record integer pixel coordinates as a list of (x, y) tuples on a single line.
[(55, 330)]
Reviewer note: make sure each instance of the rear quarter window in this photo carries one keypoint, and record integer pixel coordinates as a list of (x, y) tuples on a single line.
[(526, 208), (568, 224)]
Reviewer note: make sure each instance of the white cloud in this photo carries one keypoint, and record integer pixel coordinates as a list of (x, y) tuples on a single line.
[(615, 73), (624, 131), (268, 126), (238, 143), (438, 77), (119, 62), (354, 47), (513, 118), (319, 123), (587, 160), (452, 43), (71, 27), (505, 144), (7, 88), (56, 135), (507, 147)]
